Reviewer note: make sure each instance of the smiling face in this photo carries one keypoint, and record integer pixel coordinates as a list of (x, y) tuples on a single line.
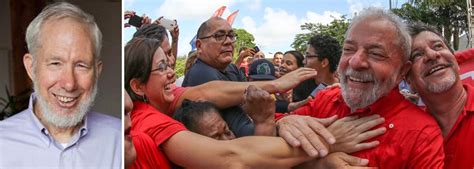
[(158, 87), (434, 69), (218, 54), (288, 64), (64, 72), (371, 62)]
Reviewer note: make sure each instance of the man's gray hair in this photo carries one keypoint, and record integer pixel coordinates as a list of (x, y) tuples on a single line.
[(404, 38), (58, 11)]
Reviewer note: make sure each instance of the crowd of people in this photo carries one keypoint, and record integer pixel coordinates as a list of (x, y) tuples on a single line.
[(335, 105)]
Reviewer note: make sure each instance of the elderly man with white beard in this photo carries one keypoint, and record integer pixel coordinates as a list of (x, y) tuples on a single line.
[(58, 130), (375, 59)]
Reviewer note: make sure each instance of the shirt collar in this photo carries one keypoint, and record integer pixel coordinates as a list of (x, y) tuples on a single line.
[(383, 105), (38, 125), (470, 98)]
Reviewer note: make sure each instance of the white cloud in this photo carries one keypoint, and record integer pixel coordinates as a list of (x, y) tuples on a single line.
[(277, 30), (325, 18), (355, 6), (191, 10)]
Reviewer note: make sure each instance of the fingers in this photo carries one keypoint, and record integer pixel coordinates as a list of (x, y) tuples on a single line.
[(370, 124), (364, 146), (285, 133), (327, 121), (371, 134), (366, 119), (305, 143), (322, 131), (354, 161)]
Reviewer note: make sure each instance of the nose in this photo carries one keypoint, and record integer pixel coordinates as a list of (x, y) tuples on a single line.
[(358, 61), (431, 55), (68, 79), (170, 72)]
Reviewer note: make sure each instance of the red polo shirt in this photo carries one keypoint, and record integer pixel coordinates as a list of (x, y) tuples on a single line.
[(459, 144), (158, 126), (413, 138), (148, 156)]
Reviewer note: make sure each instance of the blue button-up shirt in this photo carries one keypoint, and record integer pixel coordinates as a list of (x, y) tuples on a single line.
[(26, 143)]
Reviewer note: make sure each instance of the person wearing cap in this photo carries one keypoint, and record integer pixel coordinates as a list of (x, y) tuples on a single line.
[(261, 70)]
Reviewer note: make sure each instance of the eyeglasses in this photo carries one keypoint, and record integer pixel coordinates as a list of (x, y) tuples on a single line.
[(162, 67), (221, 36), (310, 56)]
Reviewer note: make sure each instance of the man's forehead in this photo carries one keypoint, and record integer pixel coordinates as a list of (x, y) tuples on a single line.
[(219, 25)]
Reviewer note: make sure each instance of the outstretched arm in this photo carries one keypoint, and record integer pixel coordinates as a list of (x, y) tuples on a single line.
[(225, 93), (188, 149)]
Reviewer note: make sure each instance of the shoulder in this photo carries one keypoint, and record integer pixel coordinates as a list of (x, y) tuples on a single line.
[(104, 122), (16, 122)]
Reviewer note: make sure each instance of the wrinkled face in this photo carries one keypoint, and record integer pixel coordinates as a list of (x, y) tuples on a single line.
[(289, 63), (130, 153), (65, 73), (212, 125), (216, 53), (434, 69), (371, 62), (158, 87), (277, 59), (165, 45)]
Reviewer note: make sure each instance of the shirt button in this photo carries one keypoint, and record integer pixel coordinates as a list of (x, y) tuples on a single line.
[(391, 126)]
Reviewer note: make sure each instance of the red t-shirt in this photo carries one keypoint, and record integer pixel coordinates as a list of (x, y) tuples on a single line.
[(158, 126), (459, 144), (177, 92), (148, 156), (412, 140)]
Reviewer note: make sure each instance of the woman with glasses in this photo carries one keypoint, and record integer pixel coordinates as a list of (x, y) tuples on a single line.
[(148, 80)]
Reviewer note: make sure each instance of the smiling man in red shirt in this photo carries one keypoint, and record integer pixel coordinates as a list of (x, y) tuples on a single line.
[(435, 76), (374, 60)]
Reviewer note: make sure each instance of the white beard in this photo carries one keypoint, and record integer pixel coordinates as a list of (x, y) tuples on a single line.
[(64, 121), (357, 98)]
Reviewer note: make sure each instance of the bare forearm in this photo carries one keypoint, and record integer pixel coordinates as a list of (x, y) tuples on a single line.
[(191, 150), (174, 48), (224, 93), (265, 129)]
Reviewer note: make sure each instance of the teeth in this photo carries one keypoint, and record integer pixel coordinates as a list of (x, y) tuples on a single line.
[(65, 99), (356, 79), (435, 69)]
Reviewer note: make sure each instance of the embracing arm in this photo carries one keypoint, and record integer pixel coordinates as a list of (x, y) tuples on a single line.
[(188, 149), (225, 93)]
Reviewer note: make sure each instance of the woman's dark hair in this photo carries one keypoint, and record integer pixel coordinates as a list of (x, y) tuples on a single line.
[(298, 56), (138, 62), (191, 112), (152, 31)]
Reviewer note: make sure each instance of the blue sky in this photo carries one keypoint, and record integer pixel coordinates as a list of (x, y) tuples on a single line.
[(274, 23)]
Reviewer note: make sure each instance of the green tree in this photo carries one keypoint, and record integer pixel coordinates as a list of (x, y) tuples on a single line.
[(335, 28), (244, 39), (449, 16), (179, 67)]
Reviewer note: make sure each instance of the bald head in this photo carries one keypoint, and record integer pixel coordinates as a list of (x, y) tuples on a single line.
[(205, 27)]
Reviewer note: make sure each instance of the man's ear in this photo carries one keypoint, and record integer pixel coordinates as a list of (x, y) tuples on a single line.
[(28, 63), (99, 68), (325, 63), (137, 87), (405, 68)]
